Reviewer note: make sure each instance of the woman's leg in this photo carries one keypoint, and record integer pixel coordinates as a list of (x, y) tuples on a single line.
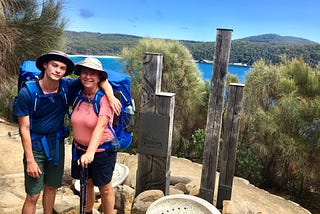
[(91, 197), (107, 198)]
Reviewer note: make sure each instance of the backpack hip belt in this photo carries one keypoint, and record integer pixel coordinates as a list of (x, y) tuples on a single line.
[(110, 145), (40, 143)]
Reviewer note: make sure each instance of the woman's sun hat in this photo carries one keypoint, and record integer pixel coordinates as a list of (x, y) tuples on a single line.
[(58, 56), (91, 63)]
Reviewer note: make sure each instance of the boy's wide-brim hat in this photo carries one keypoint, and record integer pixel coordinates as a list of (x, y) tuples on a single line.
[(91, 63), (58, 56)]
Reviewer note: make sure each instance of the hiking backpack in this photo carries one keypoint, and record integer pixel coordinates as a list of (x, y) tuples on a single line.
[(124, 124), (120, 82)]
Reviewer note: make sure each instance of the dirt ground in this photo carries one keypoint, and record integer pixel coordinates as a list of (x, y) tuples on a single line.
[(246, 198)]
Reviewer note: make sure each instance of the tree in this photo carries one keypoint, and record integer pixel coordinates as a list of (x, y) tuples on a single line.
[(280, 121), (28, 29), (8, 36), (41, 28), (180, 76)]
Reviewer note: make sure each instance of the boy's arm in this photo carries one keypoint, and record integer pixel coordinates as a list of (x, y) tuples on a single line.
[(114, 103), (33, 169)]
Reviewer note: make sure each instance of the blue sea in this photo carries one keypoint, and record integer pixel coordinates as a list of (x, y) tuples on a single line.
[(238, 70), (114, 63)]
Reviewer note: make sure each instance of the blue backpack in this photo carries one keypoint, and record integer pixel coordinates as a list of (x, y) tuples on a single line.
[(123, 124)]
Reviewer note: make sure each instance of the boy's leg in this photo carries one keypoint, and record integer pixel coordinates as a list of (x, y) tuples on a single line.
[(49, 195), (30, 203), (33, 186), (52, 179)]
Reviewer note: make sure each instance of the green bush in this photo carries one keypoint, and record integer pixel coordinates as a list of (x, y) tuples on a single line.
[(248, 164), (191, 149)]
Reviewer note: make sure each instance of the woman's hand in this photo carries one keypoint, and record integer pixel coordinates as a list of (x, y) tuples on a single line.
[(85, 159)]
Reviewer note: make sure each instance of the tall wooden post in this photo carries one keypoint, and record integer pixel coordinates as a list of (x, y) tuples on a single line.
[(230, 138), (214, 116), (155, 129)]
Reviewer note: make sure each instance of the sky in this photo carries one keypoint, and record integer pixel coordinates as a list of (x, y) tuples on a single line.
[(196, 20)]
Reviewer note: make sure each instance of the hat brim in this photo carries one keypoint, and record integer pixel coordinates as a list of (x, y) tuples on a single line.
[(78, 67), (47, 57)]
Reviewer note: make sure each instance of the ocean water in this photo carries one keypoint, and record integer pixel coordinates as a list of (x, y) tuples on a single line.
[(108, 63), (114, 63), (238, 70)]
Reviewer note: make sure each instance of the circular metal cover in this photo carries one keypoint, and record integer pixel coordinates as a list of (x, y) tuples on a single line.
[(181, 204)]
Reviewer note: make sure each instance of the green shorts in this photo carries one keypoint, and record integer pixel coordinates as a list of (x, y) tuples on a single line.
[(51, 174)]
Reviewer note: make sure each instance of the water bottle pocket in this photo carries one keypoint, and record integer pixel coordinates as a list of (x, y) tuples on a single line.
[(128, 122)]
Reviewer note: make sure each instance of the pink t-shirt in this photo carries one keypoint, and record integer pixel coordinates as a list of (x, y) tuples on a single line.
[(84, 120)]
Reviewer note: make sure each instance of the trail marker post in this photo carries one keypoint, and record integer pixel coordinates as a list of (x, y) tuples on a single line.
[(214, 116), (155, 129), (230, 138)]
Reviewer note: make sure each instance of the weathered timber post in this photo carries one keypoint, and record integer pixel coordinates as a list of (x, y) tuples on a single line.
[(230, 137), (155, 129), (214, 116)]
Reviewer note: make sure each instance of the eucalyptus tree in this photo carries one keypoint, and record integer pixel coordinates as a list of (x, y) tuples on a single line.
[(181, 76)]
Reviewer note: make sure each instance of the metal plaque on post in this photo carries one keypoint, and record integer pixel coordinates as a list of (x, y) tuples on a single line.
[(153, 134)]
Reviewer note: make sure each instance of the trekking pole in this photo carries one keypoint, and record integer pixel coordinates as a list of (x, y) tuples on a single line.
[(83, 189)]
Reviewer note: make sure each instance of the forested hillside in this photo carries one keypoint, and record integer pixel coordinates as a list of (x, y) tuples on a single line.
[(269, 47), (276, 39)]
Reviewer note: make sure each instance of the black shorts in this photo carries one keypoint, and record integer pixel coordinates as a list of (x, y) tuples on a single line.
[(100, 169)]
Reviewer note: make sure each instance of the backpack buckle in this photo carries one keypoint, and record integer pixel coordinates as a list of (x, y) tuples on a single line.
[(114, 145)]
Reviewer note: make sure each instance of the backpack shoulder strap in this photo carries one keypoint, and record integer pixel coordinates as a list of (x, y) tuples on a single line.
[(97, 99), (76, 100), (95, 102), (34, 93), (63, 85)]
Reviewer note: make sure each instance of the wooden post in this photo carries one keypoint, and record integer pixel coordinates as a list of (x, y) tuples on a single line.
[(214, 116), (230, 138), (155, 129)]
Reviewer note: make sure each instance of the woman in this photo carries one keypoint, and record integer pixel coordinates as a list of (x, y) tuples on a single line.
[(91, 136)]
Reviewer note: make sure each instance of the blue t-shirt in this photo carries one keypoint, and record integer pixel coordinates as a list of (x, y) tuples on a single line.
[(49, 115)]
